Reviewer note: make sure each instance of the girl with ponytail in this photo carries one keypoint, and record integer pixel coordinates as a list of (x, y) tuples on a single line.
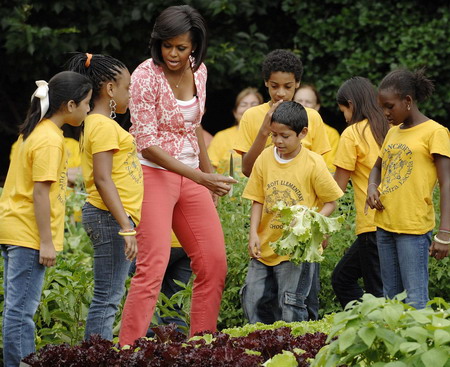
[(414, 156), (32, 205), (113, 178)]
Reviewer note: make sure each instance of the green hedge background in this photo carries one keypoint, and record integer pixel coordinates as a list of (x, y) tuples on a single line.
[(336, 39)]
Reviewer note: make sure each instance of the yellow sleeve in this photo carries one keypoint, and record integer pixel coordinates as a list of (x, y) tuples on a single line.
[(317, 139), (245, 137), (254, 190)]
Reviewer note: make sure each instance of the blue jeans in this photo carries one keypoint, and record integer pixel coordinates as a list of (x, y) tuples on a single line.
[(110, 270), (404, 265), (23, 278), (361, 260), (312, 301), (273, 293), (179, 268)]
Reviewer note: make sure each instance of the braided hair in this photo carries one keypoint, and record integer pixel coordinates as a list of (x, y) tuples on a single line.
[(98, 68)]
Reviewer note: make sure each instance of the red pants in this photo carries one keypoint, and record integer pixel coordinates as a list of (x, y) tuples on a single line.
[(173, 201)]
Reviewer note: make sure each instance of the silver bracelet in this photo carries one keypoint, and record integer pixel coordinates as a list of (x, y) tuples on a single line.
[(442, 242)]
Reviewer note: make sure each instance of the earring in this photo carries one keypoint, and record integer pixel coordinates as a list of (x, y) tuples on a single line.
[(112, 106), (409, 107)]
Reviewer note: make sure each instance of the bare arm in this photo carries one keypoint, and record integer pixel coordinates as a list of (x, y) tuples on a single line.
[(218, 184), (249, 158), (254, 244), (373, 195), (439, 250), (47, 252), (102, 163), (328, 208), (342, 176)]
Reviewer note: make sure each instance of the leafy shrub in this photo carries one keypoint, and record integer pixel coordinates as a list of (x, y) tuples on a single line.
[(380, 332)]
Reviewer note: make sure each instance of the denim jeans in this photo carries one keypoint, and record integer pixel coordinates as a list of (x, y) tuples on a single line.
[(312, 301), (179, 268), (273, 293), (361, 260), (23, 278), (404, 265), (110, 270)]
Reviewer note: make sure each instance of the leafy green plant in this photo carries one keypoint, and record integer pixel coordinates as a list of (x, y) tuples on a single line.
[(234, 213), (304, 230), (380, 332), (62, 312)]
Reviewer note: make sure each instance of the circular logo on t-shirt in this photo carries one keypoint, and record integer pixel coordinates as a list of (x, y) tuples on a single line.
[(397, 166)]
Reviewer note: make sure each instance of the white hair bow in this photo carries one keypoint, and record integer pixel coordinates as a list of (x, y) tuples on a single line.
[(42, 93)]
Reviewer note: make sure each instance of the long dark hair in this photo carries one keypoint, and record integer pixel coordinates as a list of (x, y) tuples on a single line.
[(177, 20), (98, 68), (361, 93), (405, 82), (63, 87)]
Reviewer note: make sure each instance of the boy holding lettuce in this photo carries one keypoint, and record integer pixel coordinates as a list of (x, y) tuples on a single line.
[(275, 288)]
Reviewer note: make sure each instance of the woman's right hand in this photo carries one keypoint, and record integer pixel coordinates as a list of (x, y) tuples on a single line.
[(218, 184), (131, 248)]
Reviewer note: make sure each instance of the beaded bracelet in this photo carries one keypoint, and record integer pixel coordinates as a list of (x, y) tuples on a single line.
[(127, 232), (442, 242)]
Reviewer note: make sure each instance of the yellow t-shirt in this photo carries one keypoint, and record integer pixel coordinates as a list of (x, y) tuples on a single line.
[(72, 148), (316, 140), (41, 157), (102, 134), (333, 138), (73, 152), (221, 149), (408, 177), (357, 152), (304, 180)]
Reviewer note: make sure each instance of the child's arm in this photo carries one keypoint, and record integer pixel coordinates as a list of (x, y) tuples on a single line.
[(328, 208), (440, 250), (249, 158), (47, 253), (342, 176), (102, 163), (254, 245), (373, 195)]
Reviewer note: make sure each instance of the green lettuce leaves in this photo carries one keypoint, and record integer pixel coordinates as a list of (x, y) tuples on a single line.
[(304, 230)]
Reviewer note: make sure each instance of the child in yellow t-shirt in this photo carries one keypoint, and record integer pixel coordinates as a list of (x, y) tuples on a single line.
[(308, 96), (113, 178), (358, 150), (415, 154), (32, 205), (275, 288), (221, 150), (282, 71)]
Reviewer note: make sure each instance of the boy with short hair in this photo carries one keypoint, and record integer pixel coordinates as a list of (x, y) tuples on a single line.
[(282, 71), (275, 288)]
